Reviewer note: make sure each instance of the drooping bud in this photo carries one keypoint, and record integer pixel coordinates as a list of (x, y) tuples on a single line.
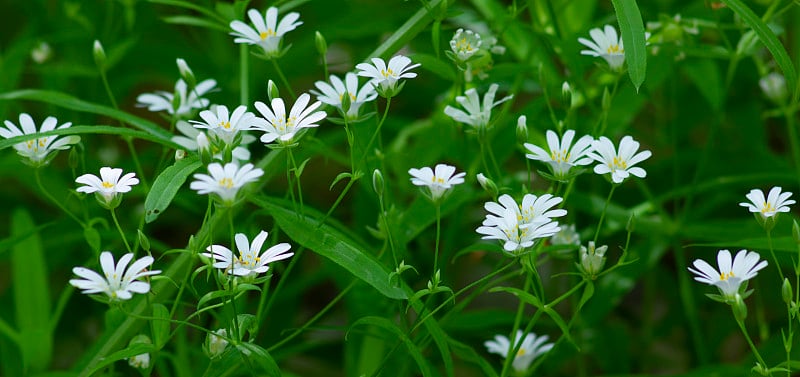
[(216, 343), (522, 129), (487, 184), (774, 87), (141, 361), (187, 74), (786, 291), (319, 42), (99, 56), (144, 242), (377, 182), (566, 92), (272, 90)]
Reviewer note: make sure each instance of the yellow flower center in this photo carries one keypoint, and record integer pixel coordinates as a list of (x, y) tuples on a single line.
[(226, 182), (521, 352), (767, 207), (387, 72), (725, 276), (266, 34), (436, 179), (464, 45), (107, 185), (225, 125), (559, 156), (614, 49), (618, 163)]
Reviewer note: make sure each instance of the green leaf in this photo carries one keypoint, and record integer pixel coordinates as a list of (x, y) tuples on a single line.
[(468, 354), (401, 335), (407, 31), (632, 30), (330, 243), (159, 326), (195, 21), (166, 186), (31, 294), (533, 300), (251, 356), (96, 129), (768, 38), (92, 237), (130, 351)]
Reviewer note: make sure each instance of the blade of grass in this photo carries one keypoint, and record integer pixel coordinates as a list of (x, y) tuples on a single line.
[(97, 129), (632, 30)]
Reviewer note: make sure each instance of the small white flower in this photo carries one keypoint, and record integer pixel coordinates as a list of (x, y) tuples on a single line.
[(333, 92), (568, 235), (225, 181), (731, 275), (621, 164), (109, 185), (774, 86), (384, 78), (775, 202), (225, 125), (514, 234), (41, 53), (533, 209), (268, 32), (279, 126), (141, 361), (196, 140), (249, 261), (605, 44), (532, 347), (216, 342), (592, 259), (116, 282), (477, 114), (186, 102), (437, 181), (465, 43), (562, 155), (38, 151)]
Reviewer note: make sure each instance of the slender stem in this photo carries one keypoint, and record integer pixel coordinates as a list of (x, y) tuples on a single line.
[(774, 257), (280, 284), (438, 234), (603, 214), (296, 179), (244, 73), (58, 204), (377, 129), (790, 125), (108, 88), (283, 78), (119, 228), (750, 342), (338, 199), (517, 321)]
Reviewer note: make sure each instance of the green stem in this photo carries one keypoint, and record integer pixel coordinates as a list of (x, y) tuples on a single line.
[(774, 257), (244, 73), (289, 268), (438, 234), (377, 129), (58, 204), (119, 229), (512, 339), (790, 125), (296, 180), (338, 200), (750, 342), (603, 214), (283, 78), (108, 89)]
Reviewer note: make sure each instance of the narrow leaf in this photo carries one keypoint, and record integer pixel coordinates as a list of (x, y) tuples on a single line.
[(159, 327), (768, 38), (166, 186), (401, 335), (533, 300), (632, 29), (96, 129), (31, 295), (330, 243), (130, 351)]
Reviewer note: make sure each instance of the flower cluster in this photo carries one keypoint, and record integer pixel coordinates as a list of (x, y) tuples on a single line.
[(250, 261), (518, 226), (39, 151)]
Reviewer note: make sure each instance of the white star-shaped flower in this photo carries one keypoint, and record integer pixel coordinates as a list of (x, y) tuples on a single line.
[(279, 126), (385, 77), (619, 164), (194, 140), (165, 101), (109, 185), (250, 260), (477, 114), (437, 181), (38, 151), (532, 347), (225, 181), (775, 202), (225, 125), (332, 93), (268, 32), (606, 45), (731, 274), (119, 281), (562, 155)]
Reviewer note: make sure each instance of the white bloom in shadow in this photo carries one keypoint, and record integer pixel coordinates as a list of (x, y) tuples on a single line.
[(118, 281), (477, 114), (532, 347), (333, 93), (775, 202), (731, 274), (38, 151), (186, 102)]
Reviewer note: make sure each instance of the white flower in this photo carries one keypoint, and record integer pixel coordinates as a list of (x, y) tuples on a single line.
[(225, 125), (333, 93), (514, 234), (384, 78), (165, 101), (533, 208), (532, 346), (605, 44), (249, 261), (621, 164), (268, 32), (109, 185), (216, 342), (41, 52), (116, 282), (477, 114), (279, 126), (562, 155), (465, 43), (437, 182), (225, 181), (196, 140), (731, 275), (592, 259), (141, 361), (38, 151), (774, 86), (568, 235), (775, 202)]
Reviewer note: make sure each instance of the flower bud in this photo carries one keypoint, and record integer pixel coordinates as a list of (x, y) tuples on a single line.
[(566, 91), (606, 100), (143, 241), (216, 343), (796, 232), (272, 90), (319, 42), (739, 308), (522, 130), (99, 55), (180, 154), (592, 259), (377, 182), (774, 87), (488, 185), (41, 53), (187, 74), (786, 291)]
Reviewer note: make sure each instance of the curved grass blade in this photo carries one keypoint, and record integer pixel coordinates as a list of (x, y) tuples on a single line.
[(98, 129), (768, 38), (401, 335), (330, 243), (407, 31), (72, 103), (632, 29), (533, 300), (167, 185)]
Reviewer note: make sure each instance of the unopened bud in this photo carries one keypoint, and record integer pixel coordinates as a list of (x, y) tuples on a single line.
[(796, 232), (566, 91), (786, 291), (272, 90), (186, 73), (739, 308), (774, 87), (319, 42), (143, 241), (99, 55), (606, 100), (522, 130), (592, 259), (377, 182), (180, 154), (487, 184), (216, 343)]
